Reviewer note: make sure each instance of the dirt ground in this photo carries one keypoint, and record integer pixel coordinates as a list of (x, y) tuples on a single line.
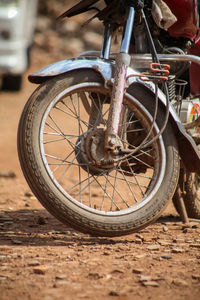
[(42, 259)]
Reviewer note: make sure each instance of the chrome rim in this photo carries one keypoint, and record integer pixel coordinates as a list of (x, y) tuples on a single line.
[(122, 189)]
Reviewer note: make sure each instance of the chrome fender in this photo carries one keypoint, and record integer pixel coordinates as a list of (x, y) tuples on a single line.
[(187, 147), (104, 67)]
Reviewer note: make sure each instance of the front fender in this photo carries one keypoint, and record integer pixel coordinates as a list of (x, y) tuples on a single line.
[(187, 147), (102, 66)]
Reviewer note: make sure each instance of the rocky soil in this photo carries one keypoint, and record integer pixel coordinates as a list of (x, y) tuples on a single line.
[(40, 258)]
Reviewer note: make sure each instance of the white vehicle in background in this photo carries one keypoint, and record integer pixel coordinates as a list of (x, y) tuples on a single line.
[(17, 24)]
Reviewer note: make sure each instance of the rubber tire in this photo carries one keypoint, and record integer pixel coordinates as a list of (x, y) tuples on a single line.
[(52, 199), (191, 196)]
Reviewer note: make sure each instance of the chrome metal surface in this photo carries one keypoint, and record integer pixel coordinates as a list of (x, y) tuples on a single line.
[(73, 157), (128, 31), (105, 50), (145, 59)]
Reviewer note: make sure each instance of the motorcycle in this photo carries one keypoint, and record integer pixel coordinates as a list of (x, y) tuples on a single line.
[(103, 138)]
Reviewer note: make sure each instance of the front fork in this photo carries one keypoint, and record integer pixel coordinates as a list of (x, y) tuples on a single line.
[(121, 65)]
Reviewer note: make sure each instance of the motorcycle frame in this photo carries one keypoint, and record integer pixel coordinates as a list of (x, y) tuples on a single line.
[(115, 74)]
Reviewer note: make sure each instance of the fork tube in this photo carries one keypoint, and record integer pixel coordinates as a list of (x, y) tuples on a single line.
[(128, 31), (122, 63), (105, 50)]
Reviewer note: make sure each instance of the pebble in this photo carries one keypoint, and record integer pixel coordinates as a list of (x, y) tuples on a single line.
[(4, 247), (140, 237), (17, 242), (145, 278), (178, 240), (196, 276), (117, 271), (166, 256), (40, 270), (139, 256), (153, 247), (163, 242), (150, 283), (7, 174), (138, 241), (113, 293), (180, 282), (28, 194), (33, 263), (61, 277), (94, 276), (138, 271), (60, 283), (194, 245), (177, 250), (2, 278), (165, 228), (4, 257)]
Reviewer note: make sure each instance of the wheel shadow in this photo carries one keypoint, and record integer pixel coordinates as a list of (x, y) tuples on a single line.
[(39, 228)]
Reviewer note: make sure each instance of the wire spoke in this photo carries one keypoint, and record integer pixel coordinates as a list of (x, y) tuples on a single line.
[(70, 157), (128, 184), (118, 194)]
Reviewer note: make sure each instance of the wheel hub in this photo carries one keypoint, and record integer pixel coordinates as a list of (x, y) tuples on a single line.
[(91, 153)]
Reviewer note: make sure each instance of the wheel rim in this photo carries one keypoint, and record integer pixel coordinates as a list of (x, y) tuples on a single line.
[(117, 191)]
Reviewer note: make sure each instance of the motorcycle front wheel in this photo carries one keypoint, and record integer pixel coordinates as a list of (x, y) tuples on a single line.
[(60, 138)]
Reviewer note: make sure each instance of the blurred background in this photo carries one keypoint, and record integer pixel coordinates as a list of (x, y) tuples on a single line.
[(30, 35)]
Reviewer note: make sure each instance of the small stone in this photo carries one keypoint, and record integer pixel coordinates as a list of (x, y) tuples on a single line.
[(178, 240), (140, 236), (196, 276), (60, 283), (166, 257), (180, 282), (163, 242), (4, 257), (4, 247), (191, 225), (194, 245), (61, 277), (106, 253), (165, 228), (150, 283), (28, 194), (15, 255), (117, 271), (40, 270), (113, 293), (7, 174), (17, 242), (139, 256), (188, 230), (2, 278), (138, 271), (138, 241), (153, 247), (177, 250), (94, 276), (145, 278), (33, 263)]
